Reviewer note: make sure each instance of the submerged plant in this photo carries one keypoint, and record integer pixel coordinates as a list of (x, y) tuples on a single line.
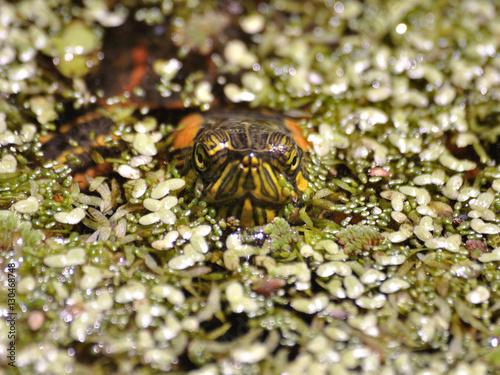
[(359, 238), (281, 235), (13, 230)]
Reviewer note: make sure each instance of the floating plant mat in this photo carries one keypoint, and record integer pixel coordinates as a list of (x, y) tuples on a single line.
[(391, 263)]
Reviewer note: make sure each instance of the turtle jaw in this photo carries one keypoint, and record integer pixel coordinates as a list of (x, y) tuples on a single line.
[(249, 189), (250, 211), (248, 178)]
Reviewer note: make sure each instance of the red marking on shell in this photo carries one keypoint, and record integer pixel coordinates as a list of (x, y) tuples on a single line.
[(140, 60), (187, 130), (296, 133)]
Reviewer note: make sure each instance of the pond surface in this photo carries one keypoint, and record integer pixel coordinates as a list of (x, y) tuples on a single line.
[(389, 261)]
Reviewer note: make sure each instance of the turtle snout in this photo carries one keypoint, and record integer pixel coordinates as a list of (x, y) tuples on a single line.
[(249, 161)]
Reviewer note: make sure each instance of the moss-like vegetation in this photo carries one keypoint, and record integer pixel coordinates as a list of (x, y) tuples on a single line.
[(388, 263)]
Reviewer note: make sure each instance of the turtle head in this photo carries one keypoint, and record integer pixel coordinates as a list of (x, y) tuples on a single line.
[(253, 174)]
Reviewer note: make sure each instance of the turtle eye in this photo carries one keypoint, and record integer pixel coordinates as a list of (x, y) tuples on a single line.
[(201, 159), (293, 161)]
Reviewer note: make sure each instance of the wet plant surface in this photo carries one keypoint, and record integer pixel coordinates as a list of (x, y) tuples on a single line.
[(389, 262)]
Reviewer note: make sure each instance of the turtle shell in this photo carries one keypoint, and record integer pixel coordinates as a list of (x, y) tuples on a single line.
[(248, 165)]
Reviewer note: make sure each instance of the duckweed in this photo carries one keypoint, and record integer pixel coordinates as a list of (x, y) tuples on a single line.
[(389, 263)]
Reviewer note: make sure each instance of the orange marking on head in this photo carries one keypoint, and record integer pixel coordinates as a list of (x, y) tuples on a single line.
[(296, 133), (187, 130)]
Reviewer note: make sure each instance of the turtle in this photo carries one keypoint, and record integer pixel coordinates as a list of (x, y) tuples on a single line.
[(249, 165)]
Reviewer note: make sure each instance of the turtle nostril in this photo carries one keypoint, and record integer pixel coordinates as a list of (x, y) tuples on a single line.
[(249, 161), (244, 163)]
